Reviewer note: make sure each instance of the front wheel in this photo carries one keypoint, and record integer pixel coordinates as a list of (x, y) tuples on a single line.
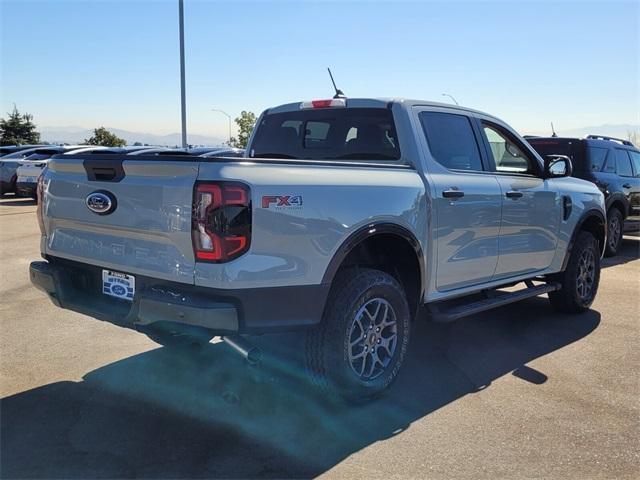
[(579, 282), (357, 350)]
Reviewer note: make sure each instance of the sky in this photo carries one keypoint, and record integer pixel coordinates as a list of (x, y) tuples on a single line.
[(116, 63)]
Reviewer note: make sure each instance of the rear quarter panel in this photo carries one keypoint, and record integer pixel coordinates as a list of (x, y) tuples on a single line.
[(293, 245)]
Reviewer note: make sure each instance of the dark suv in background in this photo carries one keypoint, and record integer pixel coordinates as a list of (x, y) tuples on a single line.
[(614, 166)]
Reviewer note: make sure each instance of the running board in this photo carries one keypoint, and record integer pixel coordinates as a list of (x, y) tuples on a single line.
[(440, 313)]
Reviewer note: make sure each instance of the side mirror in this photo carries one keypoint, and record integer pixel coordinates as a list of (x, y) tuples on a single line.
[(557, 166), (512, 149)]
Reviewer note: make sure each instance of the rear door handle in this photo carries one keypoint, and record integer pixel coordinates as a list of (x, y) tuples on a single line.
[(626, 185), (453, 193), (513, 194)]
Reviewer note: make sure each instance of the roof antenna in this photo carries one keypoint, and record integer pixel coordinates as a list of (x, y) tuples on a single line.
[(553, 131), (339, 93)]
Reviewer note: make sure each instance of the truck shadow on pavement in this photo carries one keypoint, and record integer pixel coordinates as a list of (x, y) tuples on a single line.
[(206, 414), (14, 201), (628, 252)]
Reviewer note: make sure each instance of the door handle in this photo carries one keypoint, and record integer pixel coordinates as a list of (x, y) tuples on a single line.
[(453, 193), (514, 194), (626, 185)]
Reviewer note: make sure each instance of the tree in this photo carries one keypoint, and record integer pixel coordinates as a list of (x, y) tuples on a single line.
[(634, 137), (104, 138), (18, 128), (246, 121)]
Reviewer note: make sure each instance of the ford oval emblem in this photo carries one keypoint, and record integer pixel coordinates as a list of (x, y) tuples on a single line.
[(101, 202)]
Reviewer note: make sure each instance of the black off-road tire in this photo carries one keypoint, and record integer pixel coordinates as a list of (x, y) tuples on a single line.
[(615, 224), (328, 346), (571, 298)]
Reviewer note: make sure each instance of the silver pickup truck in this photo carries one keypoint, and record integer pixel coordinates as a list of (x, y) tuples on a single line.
[(346, 220)]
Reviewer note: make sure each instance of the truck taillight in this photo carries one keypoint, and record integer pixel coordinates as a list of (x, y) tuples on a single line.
[(221, 221), (333, 102), (40, 200)]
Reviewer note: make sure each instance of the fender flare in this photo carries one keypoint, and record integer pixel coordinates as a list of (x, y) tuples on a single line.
[(585, 216), (371, 230), (619, 198)]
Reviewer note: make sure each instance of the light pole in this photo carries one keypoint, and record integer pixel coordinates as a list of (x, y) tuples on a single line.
[(183, 101), (451, 97), (228, 117)]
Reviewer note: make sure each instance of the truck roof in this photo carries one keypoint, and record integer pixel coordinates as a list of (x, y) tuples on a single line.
[(383, 102), (593, 140)]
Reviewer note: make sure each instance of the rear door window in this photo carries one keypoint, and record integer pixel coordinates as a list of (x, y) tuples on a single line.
[(597, 157), (451, 140), (635, 159), (610, 164), (328, 134), (623, 163)]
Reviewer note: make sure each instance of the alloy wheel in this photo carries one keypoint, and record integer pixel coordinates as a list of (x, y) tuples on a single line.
[(373, 338), (586, 275), (614, 232)]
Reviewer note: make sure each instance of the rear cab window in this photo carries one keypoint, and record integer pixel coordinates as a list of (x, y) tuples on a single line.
[(572, 148), (328, 134)]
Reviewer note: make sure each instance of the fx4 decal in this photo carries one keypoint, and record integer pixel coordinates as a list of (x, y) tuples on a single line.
[(269, 201)]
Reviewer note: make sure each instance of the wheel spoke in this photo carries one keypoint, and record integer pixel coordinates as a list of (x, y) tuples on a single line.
[(364, 363), (374, 360), (373, 317), (358, 324), (387, 344), (362, 353)]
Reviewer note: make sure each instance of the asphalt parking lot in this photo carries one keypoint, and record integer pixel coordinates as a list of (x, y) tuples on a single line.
[(519, 392)]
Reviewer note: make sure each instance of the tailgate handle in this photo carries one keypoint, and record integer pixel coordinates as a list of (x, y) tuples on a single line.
[(104, 170)]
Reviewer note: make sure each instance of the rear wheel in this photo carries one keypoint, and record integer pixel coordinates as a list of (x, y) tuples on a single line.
[(580, 279), (615, 222), (357, 350)]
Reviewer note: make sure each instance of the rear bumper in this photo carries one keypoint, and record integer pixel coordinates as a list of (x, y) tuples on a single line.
[(76, 286), (631, 226), (8, 186), (26, 189)]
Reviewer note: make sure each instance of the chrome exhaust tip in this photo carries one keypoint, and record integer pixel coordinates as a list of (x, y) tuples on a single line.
[(250, 352)]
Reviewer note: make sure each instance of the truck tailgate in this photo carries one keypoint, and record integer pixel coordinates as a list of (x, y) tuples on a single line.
[(147, 233)]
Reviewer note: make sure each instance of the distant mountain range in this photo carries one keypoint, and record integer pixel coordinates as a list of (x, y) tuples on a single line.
[(79, 134), (73, 135)]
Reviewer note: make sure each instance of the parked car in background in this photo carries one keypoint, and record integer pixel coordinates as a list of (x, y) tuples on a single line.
[(225, 152), (195, 151), (198, 151), (7, 149), (32, 166), (613, 165), (28, 169), (152, 151), (9, 164), (106, 150)]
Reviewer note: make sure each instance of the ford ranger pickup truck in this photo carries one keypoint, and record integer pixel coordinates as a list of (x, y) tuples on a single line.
[(346, 219)]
